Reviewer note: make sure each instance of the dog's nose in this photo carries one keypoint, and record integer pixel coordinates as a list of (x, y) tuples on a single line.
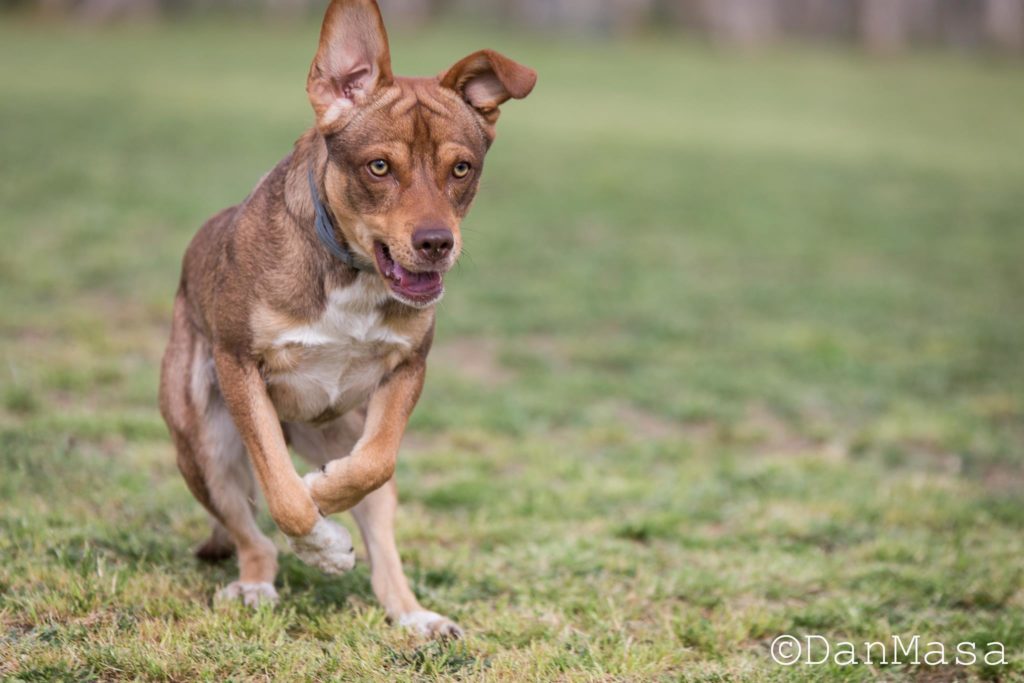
[(433, 243)]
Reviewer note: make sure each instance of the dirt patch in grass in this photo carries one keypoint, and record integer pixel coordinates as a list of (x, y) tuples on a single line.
[(1003, 479), (759, 432), (471, 358), (655, 427), (769, 434)]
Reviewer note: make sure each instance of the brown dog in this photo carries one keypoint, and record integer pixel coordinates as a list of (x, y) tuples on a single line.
[(304, 314)]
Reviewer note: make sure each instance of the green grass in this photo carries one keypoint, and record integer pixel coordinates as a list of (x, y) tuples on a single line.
[(737, 350)]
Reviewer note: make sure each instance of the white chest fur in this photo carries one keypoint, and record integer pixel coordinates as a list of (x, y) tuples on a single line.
[(334, 363)]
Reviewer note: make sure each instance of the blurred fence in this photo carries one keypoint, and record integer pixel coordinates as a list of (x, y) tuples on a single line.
[(878, 25)]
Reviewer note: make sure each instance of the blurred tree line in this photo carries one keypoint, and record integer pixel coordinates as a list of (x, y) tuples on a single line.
[(878, 25)]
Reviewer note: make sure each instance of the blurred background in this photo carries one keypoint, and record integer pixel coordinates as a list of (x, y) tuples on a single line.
[(878, 25), (736, 348)]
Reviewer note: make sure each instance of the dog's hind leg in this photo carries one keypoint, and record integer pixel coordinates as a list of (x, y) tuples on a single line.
[(218, 546), (213, 461), (232, 490)]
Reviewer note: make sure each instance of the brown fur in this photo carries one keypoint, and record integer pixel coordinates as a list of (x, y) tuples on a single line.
[(260, 298)]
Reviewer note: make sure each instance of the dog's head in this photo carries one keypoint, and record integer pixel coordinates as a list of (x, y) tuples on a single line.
[(404, 155)]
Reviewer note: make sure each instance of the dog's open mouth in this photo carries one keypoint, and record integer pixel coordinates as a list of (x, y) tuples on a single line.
[(418, 288)]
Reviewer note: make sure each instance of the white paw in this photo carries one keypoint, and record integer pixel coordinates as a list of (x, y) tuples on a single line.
[(251, 594), (430, 624), (328, 547)]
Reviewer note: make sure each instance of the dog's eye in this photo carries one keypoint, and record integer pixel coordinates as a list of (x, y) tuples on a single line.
[(379, 167), (461, 169)]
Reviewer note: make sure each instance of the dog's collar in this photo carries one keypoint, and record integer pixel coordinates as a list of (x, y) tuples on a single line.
[(325, 231)]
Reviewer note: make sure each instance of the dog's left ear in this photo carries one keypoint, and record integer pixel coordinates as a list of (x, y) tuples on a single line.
[(353, 60), (487, 79)]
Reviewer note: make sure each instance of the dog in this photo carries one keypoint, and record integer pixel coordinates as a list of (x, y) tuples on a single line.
[(304, 315)]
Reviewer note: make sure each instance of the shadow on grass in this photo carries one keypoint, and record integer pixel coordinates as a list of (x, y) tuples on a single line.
[(438, 657), (313, 590)]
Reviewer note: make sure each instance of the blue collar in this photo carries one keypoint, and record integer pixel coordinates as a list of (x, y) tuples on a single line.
[(325, 231)]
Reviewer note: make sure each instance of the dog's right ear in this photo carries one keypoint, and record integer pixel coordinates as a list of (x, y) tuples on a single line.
[(352, 61)]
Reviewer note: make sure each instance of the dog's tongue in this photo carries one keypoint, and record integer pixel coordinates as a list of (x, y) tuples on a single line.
[(415, 281)]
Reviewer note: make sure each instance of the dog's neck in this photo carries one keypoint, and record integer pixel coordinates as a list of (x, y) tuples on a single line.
[(306, 202), (328, 234)]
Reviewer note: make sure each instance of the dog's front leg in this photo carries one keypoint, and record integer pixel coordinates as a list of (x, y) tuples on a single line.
[(317, 541), (375, 515), (343, 482), (363, 481)]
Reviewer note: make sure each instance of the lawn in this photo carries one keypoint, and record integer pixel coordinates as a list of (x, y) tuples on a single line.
[(736, 350)]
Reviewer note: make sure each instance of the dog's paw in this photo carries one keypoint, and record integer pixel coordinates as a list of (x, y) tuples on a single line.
[(431, 624), (251, 594), (328, 547)]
